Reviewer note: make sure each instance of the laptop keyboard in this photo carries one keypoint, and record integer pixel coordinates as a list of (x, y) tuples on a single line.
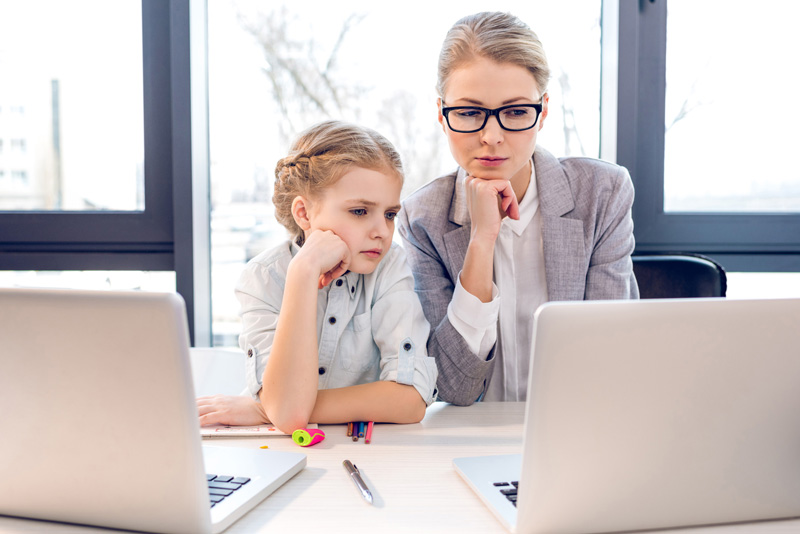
[(509, 489), (221, 486)]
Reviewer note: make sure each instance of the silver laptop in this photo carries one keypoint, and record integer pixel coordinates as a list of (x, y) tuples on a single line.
[(654, 414), (99, 423)]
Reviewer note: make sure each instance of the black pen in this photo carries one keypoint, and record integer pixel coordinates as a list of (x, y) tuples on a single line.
[(352, 470)]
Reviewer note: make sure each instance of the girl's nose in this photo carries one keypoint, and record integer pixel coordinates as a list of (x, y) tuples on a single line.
[(380, 227)]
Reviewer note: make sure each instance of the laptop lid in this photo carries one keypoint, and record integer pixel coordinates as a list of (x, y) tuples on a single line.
[(661, 413), (81, 373)]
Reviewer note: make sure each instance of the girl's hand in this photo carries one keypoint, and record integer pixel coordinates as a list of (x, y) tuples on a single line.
[(488, 201), (327, 253), (230, 410)]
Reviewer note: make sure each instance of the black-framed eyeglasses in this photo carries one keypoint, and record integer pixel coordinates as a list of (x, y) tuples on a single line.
[(514, 118)]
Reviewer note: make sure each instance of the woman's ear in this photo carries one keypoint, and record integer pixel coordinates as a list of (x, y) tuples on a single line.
[(441, 117), (543, 115), (300, 211)]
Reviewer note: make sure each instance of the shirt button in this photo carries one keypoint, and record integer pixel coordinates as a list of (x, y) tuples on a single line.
[(407, 347), (249, 353), (322, 370), (339, 283), (352, 290), (332, 320)]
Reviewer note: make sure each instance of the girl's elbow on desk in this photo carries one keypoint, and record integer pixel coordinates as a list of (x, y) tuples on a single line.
[(289, 422), (286, 416), (411, 409)]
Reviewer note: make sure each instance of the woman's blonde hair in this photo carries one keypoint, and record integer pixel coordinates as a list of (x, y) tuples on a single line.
[(320, 156), (501, 37)]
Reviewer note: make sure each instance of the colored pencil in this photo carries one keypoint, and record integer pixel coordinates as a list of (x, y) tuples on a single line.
[(368, 436)]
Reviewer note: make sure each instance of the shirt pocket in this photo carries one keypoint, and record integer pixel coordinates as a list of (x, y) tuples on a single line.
[(357, 349)]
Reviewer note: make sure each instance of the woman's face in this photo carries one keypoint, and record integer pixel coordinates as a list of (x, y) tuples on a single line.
[(493, 153)]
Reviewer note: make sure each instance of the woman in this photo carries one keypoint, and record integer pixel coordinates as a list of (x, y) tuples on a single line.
[(513, 227)]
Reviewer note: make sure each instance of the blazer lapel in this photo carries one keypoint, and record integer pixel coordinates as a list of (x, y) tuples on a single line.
[(456, 241), (562, 238)]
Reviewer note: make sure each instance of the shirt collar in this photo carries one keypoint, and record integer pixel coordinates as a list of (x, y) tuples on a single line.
[(527, 208)]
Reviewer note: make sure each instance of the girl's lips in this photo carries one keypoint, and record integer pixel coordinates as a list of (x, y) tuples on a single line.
[(491, 162), (372, 253)]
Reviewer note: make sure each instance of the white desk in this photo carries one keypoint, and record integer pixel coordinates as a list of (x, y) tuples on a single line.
[(409, 470)]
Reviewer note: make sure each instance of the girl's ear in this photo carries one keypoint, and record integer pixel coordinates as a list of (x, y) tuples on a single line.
[(300, 212)]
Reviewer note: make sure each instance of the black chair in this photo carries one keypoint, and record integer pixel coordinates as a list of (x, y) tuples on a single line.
[(679, 275)]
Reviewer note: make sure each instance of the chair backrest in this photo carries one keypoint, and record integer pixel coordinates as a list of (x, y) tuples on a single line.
[(679, 275)]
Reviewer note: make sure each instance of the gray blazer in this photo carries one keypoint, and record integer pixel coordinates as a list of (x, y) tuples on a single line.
[(587, 232)]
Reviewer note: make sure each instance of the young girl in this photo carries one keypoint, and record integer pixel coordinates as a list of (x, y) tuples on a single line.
[(332, 328), (563, 231)]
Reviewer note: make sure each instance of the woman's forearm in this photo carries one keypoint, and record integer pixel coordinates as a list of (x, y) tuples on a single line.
[(477, 273)]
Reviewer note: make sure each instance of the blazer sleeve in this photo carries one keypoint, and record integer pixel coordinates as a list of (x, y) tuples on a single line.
[(463, 375)]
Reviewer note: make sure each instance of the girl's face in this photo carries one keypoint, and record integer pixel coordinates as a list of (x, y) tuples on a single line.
[(359, 208), (493, 153)]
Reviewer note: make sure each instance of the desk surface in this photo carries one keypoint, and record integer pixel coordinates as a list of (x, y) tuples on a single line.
[(409, 469)]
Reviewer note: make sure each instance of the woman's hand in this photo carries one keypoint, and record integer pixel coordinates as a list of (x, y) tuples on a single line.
[(234, 410), (325, 253), (488, 201)]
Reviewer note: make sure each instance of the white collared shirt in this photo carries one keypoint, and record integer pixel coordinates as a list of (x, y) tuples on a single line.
[(369, 327), (519, 288)]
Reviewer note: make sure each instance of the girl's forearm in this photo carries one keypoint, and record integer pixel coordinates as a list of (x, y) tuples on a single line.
[(382, 401), (290, 377)]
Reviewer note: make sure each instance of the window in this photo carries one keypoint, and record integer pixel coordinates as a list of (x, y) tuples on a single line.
[(711, 164), (19, 177), (59, 96), (723, 153), (132, 93)]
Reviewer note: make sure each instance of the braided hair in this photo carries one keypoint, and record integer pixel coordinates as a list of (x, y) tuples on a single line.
[(319, 157)]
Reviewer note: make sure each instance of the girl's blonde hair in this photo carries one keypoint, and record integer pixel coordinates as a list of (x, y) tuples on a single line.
[(320, 156), (501, 37)]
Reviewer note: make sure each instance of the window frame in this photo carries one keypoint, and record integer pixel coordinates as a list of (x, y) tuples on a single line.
[(750, 242)]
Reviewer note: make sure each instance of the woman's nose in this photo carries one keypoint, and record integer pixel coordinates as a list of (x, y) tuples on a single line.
[(492, 133)]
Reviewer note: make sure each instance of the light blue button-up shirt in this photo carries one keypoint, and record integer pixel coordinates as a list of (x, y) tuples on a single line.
[(369, 327)]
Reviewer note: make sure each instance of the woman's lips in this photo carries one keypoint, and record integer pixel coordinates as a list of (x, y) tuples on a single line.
[(491, 162)]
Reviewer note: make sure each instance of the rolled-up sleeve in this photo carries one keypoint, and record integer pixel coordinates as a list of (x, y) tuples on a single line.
[(399, 328), (260, 293)]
